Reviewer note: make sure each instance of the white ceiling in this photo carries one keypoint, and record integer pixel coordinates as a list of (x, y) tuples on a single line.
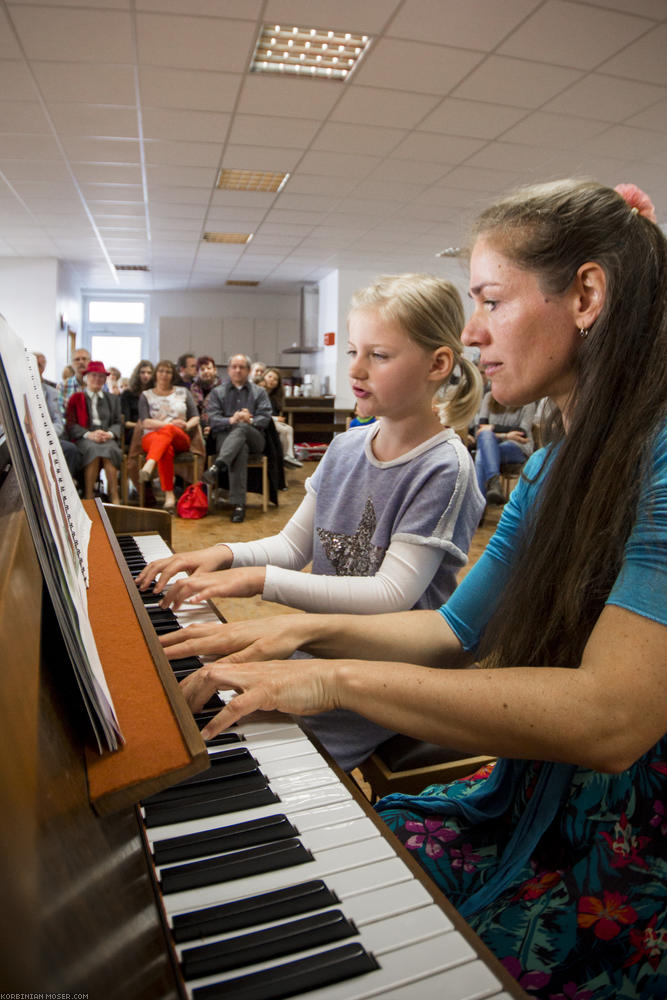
[(116, 115)]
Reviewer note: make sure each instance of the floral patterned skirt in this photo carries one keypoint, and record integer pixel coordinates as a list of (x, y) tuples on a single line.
[(568, 890)]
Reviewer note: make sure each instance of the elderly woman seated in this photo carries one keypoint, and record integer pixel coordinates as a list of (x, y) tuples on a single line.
[(94, 424)]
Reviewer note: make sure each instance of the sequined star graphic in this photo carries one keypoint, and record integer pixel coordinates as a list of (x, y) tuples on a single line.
[(353, 555)]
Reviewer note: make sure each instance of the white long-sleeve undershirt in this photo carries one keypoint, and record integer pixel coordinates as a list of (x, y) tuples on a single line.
[(405, 573)]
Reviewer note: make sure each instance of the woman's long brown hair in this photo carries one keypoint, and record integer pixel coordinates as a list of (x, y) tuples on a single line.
[(572, 549)]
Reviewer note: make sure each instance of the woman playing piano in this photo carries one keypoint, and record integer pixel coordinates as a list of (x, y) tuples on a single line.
[(389, 513), (557, 858)]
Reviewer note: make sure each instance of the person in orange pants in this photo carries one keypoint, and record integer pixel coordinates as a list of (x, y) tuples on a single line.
[(169, 415)]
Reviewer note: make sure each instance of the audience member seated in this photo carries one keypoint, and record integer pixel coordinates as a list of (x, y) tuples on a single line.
[(359, 421), (75, 382), (70, 450), (142, 377), (94, 424), (257, 372), (273, 384), (504, 435), (168, 416), (186, 370), (206, 380), (390, 511), (113, 381), (238, 413)]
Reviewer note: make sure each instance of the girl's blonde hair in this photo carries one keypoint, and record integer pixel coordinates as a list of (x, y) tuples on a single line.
[(429, 310)]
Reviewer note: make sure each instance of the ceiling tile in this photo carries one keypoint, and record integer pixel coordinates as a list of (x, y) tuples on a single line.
[(23, 116), (185, 126), (338, 164), (335, 136), (188, 154), (19, 172), (181, 88), (643, 60), (436, 148), (29, 147), (96, 36), (368, 17), (415, 66), (267, 94), (631, 143), (270, 158), (524, 84), (471, 118), (107, 173), (101, 150), (328, 187), (554, 131), (372, 106), (412, 171), (94, 120), (476, 24), (646, 8), (16, 83), (578, 36), (611, 98), (202, 177), (81, 82), (208, 43), (233, 8), (654, 117), (268, 131)]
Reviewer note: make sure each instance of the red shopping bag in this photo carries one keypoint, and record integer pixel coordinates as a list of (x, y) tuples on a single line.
[(193, 503)]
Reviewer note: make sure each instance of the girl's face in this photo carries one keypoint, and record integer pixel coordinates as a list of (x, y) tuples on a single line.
[(271, 379), (391, 375), (145, 374), (528, 339)]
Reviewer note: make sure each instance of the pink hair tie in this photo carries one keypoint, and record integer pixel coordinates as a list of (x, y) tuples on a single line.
[(637, 200)]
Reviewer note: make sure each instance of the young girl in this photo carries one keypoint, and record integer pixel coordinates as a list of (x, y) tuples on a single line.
[(390, 511)]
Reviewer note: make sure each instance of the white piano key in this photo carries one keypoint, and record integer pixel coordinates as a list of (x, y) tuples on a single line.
[(347, 858), (408, 962)]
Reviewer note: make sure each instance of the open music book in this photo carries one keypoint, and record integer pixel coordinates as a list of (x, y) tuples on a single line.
[(59, 526)]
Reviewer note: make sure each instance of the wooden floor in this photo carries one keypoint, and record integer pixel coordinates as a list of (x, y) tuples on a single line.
[(216, 527)]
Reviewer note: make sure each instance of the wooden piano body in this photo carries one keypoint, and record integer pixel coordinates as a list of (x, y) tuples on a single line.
[(80, 909)]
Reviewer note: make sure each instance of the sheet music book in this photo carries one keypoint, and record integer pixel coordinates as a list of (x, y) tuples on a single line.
[(58, 523)]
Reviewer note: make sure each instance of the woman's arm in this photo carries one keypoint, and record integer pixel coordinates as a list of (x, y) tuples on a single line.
[(603, 715)]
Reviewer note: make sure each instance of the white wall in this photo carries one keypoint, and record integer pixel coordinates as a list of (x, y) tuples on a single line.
[(224, 323), (28, 303), (68, 306)]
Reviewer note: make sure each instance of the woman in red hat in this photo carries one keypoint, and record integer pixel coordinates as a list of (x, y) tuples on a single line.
[(94, 424)]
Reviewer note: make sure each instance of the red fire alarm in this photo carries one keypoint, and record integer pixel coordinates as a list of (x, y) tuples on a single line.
[(329, 338)]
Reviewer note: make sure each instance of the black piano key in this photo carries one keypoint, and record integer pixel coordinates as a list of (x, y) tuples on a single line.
[(193, 791), (186, 663), (163, 813), (223, 739), (238, 864), (294, 978), (166, 628), (280, 904), (224, 838), (262, 946)]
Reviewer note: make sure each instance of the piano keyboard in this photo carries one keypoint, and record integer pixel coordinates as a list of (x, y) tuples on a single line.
[(275, 882)]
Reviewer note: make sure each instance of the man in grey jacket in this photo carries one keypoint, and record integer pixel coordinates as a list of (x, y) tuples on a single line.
[(238, 411)]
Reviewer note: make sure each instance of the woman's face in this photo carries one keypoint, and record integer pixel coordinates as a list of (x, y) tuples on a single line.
[(145, 374), (271, 379), (528, 339), (163, 377)]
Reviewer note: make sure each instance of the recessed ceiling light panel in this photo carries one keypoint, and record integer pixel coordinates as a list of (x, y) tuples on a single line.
[(227, 237), (242, 284), (251, 180), (311, 52)]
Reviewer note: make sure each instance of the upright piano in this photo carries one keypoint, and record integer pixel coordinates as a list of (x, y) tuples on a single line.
[(83, 913)]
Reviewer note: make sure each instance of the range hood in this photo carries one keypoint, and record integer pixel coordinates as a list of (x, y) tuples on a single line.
[(308, 323)]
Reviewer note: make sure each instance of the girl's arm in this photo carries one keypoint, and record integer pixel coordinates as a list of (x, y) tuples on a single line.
[(291, 548)]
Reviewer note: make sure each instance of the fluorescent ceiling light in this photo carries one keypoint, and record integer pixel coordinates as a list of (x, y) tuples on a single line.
[(251, 180), (309, 52), (227, 237)]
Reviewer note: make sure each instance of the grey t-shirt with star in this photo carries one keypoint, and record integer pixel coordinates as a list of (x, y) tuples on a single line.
[(429, 496)]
